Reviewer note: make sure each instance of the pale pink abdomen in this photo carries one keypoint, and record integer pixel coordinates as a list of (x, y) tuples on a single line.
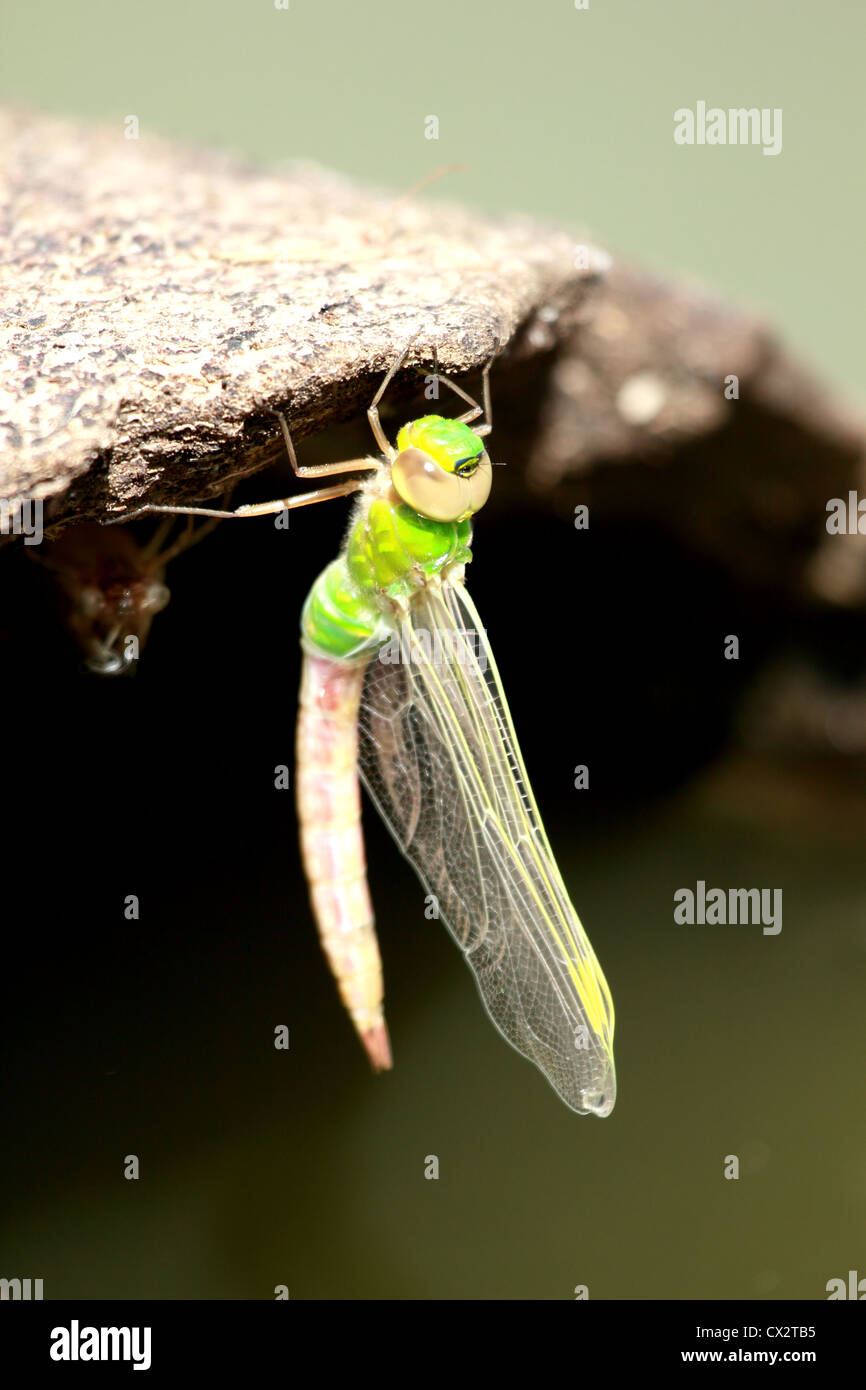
[(332, 848)]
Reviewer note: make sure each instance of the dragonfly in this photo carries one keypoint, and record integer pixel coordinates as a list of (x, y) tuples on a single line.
[(400, 690)]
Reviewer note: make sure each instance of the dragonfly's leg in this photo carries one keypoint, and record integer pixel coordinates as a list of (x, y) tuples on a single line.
[(373, 413), (319, 470), (302, 499), (485, 409), (152, 509), (452, 386), (485, 391)]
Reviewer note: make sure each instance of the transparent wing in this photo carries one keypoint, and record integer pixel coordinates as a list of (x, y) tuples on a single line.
[(440, 759)]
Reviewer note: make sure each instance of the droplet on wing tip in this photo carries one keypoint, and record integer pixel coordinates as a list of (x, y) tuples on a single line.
[(598, 1101), (377, 1045)]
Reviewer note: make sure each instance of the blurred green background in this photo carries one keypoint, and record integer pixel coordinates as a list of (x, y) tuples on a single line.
[(562, 113), (262, 1168)]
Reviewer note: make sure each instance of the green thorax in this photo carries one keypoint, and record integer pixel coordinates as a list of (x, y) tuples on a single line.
[(390, 552)]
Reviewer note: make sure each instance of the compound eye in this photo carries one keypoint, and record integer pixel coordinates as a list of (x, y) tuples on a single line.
[(479, 485), (426, 488)]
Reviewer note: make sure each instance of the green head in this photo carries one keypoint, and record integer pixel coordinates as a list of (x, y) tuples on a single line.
[(441, 470)]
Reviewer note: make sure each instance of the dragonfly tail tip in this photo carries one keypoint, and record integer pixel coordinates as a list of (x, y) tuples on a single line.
[(377, 1045)]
